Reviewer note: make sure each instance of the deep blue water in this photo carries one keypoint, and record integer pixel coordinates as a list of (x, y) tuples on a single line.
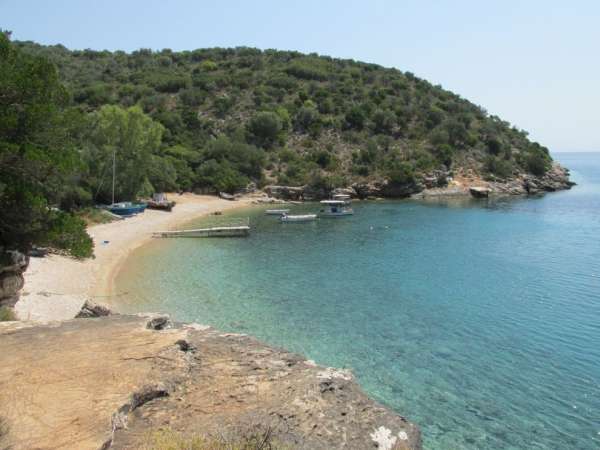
[(478, 320)]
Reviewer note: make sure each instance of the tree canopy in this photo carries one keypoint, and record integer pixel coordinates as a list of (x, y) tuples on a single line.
[(37, 155)]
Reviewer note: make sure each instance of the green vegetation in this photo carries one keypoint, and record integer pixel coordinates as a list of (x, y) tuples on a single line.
[(6, 314), (216, 120), (37, 155), (288, 118)]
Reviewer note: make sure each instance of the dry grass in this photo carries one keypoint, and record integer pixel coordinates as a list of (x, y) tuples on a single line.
[(93, 216), (167, 439), (7, 314)]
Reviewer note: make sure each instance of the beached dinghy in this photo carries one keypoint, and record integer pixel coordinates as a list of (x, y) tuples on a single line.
[(298, 218), (276, 212), (126, 208), (160, 201)]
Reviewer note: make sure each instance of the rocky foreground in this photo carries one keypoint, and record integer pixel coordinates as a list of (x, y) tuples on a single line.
[(109, 382)]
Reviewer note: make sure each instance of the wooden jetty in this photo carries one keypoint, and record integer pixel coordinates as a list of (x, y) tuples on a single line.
[(217, 230)]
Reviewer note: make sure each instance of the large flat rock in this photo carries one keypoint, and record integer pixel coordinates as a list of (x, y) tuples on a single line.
[(109, 382)]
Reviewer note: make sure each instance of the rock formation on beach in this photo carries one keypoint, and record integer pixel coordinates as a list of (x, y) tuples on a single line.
[(12, 266), (110, 382)]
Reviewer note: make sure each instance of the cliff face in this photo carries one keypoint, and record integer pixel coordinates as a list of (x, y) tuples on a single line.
[(107, 382)]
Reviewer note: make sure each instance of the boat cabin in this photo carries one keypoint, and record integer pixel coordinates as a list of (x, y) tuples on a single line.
[(337, 207)]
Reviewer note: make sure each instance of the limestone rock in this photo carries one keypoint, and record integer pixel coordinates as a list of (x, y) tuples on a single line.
[(92, 309), (480, 192), (109, 382), (12, 266)]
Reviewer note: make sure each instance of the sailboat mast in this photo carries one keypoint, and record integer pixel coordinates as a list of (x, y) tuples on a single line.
[(113, 180)]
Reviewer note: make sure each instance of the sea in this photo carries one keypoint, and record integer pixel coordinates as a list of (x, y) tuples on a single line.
[(478, 320)]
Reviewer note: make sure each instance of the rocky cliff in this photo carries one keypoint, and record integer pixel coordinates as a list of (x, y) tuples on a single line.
[(436, 183), (108, 382)]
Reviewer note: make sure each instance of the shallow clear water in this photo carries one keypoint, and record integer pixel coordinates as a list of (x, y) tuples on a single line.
[(478, 320)]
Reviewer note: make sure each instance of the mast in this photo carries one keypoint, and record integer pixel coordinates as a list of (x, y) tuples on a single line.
[(113, 180)]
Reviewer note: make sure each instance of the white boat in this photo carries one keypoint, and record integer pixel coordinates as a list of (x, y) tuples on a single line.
[(276, 212), (298, 218), (339, 206)]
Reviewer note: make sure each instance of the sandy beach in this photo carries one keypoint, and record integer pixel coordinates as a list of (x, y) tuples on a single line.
[(56, 286)]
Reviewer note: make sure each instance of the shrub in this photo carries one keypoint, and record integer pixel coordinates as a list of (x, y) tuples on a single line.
[(401, 173), (499, 167), (355, 118), (6, 315), (537, 161), (264, 128)]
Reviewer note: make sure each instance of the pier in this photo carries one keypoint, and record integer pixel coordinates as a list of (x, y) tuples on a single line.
[(239, 228)]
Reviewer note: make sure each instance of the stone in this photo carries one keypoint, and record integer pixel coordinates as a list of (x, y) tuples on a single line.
[(12, 266), (479, 192), (110, 382), (92, 309)]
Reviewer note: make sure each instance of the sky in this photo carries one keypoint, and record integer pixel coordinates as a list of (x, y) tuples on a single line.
[(533, 63)]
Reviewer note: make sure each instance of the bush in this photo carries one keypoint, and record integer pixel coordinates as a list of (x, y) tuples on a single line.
[(537, 161), (6, 315), (67, 232), (499, 167), (402, 173), (264, 128), (355, 118)]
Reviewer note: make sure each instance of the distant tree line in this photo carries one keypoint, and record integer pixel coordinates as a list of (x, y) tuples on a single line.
[(216, 120)]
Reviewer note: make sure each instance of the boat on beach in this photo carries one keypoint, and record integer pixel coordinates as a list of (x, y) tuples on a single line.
[(126, 208), (161, 202), (276, 212), (337, 207), (298, 218)]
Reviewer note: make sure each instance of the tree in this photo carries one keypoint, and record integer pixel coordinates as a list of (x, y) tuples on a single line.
[(36, 156), (131, 137), (355, 118), (265, 128)]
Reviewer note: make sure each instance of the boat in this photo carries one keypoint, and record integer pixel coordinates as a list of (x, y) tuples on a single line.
[(226, 196), (298, 218), (126, 208), (123, 209), (337, 207), (161, 202), (276, 212)]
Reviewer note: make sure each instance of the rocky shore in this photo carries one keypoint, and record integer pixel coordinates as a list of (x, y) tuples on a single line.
[(110, 382), (439, 183)]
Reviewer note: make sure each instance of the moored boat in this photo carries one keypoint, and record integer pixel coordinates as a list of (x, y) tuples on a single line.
[(276, 212), (298, 218), (338, 207)]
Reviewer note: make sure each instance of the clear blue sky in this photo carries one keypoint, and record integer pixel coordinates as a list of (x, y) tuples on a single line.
[(533, 63)]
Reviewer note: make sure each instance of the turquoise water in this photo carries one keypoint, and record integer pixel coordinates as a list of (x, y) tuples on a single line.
[(478, 320)]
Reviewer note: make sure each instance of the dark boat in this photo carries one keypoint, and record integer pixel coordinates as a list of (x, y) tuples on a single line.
[(126, 208), (160, 201)]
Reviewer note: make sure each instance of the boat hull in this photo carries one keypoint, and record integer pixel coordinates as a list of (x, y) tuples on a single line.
[(127, 209), (336, 214), (299, 218)]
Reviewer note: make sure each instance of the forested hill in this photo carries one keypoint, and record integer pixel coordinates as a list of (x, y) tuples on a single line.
[(232, 116)]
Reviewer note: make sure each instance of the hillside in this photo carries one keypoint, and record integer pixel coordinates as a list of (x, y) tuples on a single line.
[(239, 115)]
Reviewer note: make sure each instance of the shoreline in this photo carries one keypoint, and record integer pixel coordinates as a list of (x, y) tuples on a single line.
[(56, 287)]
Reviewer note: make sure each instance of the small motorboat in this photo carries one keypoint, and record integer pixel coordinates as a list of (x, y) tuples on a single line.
[(126, 208), (338, 207), (276, 212), (226, 196), (298, 218)]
